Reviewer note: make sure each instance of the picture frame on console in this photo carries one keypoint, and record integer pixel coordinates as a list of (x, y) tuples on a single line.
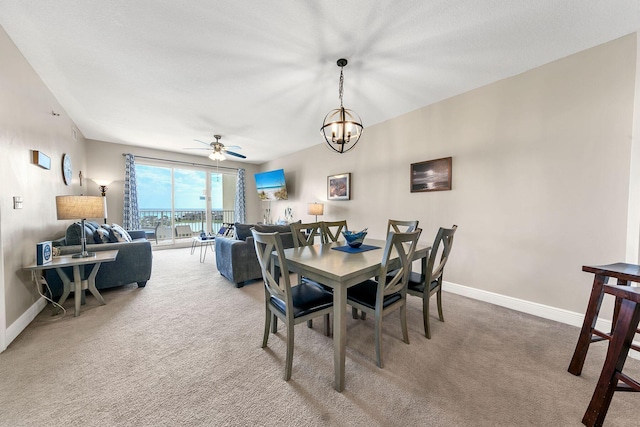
[(431, 175), (339, 187)]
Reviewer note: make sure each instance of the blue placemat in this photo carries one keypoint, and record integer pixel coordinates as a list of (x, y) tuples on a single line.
[(351, 250)]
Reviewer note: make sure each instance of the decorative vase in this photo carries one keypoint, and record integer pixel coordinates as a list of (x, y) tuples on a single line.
[(354, 239)]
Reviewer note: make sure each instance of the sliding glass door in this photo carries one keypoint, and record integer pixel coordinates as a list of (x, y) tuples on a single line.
[(176, 203)]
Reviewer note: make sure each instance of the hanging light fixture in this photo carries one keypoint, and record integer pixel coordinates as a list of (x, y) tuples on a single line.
[(341, 128), (217, 156)]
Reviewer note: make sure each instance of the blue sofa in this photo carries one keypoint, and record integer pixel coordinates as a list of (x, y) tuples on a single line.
[(236, 257), (133, 264)]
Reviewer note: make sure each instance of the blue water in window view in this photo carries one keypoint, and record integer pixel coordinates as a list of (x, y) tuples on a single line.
[(154, 189)]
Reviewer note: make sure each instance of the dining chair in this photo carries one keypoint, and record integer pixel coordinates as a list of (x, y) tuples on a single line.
[(304, 234), (400, 226), (331, 230), (612, 378), (291, 304), (382, 297), (432, 275)]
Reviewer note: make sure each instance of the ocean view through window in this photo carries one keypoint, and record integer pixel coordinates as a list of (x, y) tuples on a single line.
[(177, 202)]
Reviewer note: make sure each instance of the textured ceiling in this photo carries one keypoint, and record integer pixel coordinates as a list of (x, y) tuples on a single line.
[(263, 74)]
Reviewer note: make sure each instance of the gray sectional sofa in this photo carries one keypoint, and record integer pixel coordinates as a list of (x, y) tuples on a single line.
[(133, 264), (236, 257)]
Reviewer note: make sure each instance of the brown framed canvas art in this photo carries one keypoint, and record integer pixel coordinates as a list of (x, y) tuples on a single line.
[(432, 175), (339, 187)]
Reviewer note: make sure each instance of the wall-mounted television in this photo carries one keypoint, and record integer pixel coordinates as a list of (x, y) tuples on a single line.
[(271, 185)]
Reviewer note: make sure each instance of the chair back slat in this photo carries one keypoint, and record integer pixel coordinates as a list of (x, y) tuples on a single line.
[(304, 234), (331, 230), (444, 237), (405, 246), (266, 244), (400, 226)]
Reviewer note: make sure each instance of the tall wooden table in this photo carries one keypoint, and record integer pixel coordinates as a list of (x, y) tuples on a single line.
[(624, 273), (78, 283), (340, 270)]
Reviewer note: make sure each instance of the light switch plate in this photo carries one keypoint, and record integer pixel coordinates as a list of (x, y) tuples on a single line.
[(17, 202)]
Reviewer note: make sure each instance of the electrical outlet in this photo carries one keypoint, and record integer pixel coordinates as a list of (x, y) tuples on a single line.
[(17, 202)]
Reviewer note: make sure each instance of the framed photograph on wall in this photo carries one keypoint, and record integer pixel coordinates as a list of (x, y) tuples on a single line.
[(339, 187), (432, 175)]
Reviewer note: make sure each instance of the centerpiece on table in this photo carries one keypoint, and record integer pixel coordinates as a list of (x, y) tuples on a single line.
[(354, 239)]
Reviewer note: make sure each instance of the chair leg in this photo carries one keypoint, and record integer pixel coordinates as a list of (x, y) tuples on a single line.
[(354, 312), (310, 323), (439, 298), (403, 323), (327, 325), (625, 328), (378, 331), (425, 315), (289, 359), (274, 324), (267, 324)]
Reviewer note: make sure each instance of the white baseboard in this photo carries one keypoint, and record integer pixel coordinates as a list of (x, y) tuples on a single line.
[(533, 308), (23, 321)]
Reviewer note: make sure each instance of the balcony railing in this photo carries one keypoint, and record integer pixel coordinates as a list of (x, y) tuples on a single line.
[(158, 222)]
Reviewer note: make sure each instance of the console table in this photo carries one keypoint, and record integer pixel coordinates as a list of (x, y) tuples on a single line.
[(79, 284)]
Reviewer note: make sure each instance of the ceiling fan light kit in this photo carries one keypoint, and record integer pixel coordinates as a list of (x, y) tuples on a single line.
[(341, 128), (218, 149)]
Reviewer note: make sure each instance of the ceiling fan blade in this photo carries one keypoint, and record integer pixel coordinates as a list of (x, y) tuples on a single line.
[(198, 148), (235, 154), (202, 142), (233, 147)]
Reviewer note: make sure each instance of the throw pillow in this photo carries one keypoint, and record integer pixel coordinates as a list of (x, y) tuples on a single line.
[(112, 236), (73, 235), (103, 234), (121, 233), (243, 230)]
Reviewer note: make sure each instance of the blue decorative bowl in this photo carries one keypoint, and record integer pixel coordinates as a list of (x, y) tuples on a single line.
[(354, 239)]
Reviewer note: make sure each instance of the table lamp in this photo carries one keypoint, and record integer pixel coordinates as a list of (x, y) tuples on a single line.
[(83, 207), (315, 209)]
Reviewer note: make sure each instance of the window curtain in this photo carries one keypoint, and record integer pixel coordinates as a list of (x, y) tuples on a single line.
[(130, 214), (240, 206)]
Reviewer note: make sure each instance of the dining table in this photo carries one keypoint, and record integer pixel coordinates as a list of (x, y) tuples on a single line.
[(340, 270)]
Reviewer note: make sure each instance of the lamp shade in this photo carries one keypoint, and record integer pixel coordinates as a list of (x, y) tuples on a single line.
[(315, 209), (80, 207)]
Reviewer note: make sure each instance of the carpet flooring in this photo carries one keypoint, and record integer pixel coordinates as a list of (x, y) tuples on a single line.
[(185, 351)]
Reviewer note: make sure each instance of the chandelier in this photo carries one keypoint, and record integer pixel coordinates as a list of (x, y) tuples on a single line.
[(341, 128)]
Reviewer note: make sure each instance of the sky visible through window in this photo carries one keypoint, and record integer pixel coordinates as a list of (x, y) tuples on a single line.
[(154, 188)]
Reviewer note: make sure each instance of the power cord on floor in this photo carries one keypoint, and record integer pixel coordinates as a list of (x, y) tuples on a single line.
[(41, 281)]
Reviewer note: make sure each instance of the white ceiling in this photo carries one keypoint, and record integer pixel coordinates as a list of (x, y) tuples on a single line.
[(263, 74)]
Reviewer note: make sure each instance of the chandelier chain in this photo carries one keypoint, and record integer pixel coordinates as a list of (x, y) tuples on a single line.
[(340, 87)]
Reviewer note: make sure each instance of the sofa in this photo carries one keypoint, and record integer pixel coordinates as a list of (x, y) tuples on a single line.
[(132, 265), (236, 257)]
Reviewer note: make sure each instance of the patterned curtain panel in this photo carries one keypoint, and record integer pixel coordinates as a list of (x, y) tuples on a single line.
[(130, 215), (240, 206)]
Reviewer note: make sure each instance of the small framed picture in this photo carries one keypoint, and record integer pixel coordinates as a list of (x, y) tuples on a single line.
[(432, 175), (339, 187)]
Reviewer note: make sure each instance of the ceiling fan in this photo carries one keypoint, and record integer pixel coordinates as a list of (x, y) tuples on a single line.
[(219, 149)]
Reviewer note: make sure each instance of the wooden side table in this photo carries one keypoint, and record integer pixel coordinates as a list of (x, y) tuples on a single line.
[(90, 283), (624, 273)]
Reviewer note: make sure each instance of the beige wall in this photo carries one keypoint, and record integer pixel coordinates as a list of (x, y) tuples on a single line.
[(26, 124), (541, 170)]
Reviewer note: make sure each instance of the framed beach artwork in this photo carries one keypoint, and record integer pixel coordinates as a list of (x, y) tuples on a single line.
[(339, 187), (432, 175)]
